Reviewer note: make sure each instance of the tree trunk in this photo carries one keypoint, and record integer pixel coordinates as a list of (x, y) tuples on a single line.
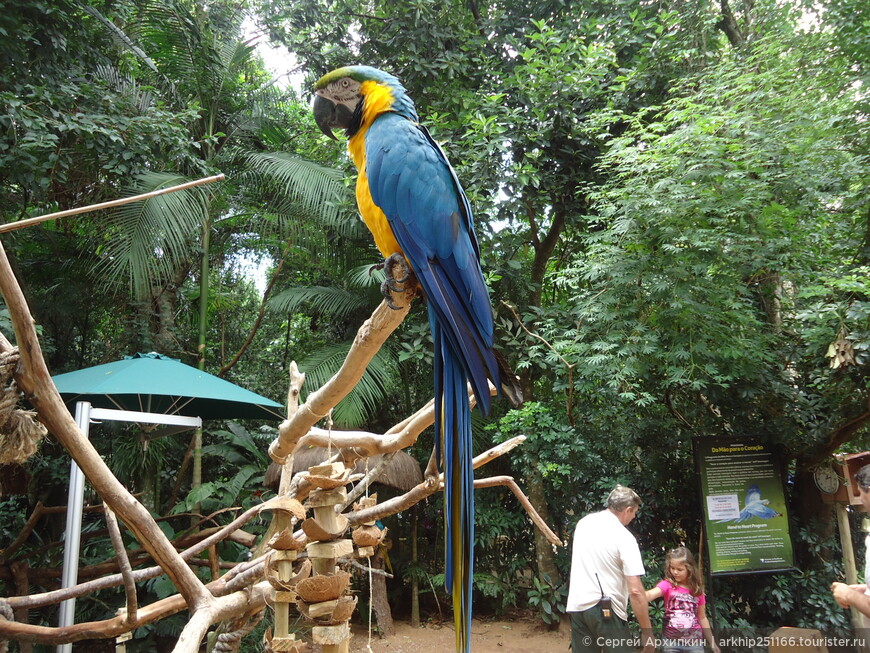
[(770, 297), (163, 303), (729, 25), (20, 571), (544, 247), (544, 556), (415, 584), (380, 605)]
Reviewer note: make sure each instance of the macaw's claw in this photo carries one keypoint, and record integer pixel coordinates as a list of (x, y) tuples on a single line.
[(391, 284), (396, 259), (388, 297)]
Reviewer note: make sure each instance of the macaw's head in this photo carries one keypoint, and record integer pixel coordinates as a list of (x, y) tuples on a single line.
[(352, 97)]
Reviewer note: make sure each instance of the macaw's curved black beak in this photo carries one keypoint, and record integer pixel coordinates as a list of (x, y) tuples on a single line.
[(324, 114), (329, 115)]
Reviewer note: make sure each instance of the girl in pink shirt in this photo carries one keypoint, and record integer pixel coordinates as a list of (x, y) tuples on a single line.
[(686, 626)]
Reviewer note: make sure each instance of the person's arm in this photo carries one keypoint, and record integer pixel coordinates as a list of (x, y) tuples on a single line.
[(849, 596), (640, 606), (653, 594), (705, 628)]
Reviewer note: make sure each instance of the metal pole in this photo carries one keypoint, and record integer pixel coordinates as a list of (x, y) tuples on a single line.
[(75, 502), (849, 560), (71, 538)]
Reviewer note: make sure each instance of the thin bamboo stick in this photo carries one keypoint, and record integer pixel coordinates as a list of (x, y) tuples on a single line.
[(20, 224)]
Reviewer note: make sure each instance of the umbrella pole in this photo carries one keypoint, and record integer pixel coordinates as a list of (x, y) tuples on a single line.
[(72, 534)]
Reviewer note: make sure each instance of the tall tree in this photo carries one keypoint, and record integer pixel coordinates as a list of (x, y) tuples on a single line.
[(509, 88)]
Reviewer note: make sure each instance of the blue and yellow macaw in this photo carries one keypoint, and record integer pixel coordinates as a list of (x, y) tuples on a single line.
[(412, 202)]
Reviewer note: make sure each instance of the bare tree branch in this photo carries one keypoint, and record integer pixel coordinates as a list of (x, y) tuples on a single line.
[(428, 487), (221, 607), (124, 563), (369, 339), (33, 377), (35, 516), (510, 483), (56, 596)]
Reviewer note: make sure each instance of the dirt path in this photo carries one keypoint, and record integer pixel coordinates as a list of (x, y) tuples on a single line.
[(505, 636)]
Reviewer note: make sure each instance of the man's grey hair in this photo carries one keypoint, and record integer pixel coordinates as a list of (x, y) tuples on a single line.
[(862, 478), (622, 497)]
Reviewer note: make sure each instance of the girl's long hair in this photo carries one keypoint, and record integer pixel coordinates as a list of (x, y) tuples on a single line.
[(695, 582)]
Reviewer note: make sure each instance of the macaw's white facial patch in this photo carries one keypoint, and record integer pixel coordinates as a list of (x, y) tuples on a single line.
[(344, 91)]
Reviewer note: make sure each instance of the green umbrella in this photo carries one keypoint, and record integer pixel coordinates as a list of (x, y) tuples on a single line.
[(153, 383), (144, 383)]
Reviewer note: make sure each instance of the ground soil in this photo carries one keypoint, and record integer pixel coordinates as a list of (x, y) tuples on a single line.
[(512, 634)]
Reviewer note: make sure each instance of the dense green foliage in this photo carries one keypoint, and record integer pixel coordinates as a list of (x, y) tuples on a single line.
[(672, 203)]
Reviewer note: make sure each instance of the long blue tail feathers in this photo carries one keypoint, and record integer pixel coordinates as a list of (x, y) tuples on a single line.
[(453, 424)]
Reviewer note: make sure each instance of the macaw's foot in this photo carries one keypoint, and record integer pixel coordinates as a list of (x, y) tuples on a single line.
[(391, 284)]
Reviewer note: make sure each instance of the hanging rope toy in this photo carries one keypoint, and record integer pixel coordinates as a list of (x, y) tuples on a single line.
[(20, 432)]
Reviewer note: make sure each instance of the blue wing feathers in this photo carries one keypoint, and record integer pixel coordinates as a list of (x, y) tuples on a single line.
[(414, 185), (420, 204), (459, 475)]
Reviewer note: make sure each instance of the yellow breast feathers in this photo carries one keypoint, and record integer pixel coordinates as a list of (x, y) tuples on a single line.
[(378, 99)]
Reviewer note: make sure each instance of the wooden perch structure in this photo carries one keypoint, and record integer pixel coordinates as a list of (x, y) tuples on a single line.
[(242, 593), (20, 224)]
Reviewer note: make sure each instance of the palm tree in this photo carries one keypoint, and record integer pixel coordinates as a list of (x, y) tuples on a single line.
[(197, 58), (273, 199)]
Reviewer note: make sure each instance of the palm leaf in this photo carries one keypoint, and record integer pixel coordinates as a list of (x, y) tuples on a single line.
[(366, 276), (150, 239), (264, 116), (232, 58), (125, 85), (318, 189), (367, 397), (173, 36), (119, 37), (333, 301)]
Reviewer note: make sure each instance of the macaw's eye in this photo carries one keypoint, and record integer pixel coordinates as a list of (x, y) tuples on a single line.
[(344, 82)]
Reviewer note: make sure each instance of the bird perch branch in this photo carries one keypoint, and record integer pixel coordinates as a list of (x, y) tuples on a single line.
[(20, 224), (369, 339)]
